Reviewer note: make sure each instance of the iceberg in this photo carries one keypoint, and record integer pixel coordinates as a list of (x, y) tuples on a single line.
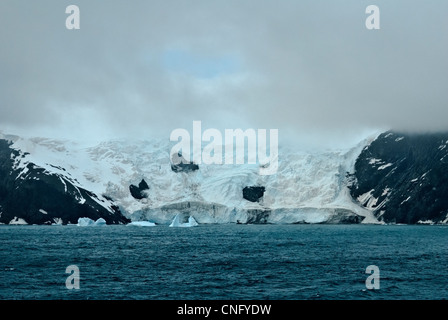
[(100, 222), (177, 222), (142, 224), (192, 222), (18, 221), (85, 222)]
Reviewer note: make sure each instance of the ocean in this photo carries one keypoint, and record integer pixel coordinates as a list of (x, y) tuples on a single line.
[(227, 261)]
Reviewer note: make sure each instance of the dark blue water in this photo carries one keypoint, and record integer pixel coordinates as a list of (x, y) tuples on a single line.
[(224, 262)]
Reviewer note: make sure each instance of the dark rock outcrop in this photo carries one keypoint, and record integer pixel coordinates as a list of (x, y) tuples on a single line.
[(257, 216), (403, 178), (344, 216), (253, 193), (37, 196), (138, 191), (180, 164)]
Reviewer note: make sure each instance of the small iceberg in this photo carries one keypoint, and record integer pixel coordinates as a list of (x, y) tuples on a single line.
[(57, 222), (142, 224), (86, 222), (177, 222)]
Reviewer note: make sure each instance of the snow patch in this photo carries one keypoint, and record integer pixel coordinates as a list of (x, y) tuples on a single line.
[(365, 196), (375, 161), (65, 185), (370, 202), (385, 166), (406, 200), (43, 211)]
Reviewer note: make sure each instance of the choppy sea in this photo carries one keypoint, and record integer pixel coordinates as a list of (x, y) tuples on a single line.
[(231, 261)]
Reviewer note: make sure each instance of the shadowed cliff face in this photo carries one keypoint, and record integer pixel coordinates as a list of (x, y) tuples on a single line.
[(403, 178), (35, 196)]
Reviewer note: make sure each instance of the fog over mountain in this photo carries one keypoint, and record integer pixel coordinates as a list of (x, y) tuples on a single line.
[(143, 68)]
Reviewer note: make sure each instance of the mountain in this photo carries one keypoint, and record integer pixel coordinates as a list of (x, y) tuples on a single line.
[(390, 178), (402, 178), (48, 194), (122, 180)]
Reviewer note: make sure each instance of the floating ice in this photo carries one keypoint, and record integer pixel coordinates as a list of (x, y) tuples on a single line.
[(177, 222), (18, 221), (100, 222), (85, 222), (192, 222), (57, 221), (142, 224)]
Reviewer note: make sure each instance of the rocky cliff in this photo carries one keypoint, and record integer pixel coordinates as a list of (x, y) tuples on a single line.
[(402, 178)]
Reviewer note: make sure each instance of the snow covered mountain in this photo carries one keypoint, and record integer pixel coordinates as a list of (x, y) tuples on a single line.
[(135, 180), (44, 181), (402, 178), (40, 192)]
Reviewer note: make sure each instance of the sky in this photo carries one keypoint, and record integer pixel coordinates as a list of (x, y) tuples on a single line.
[(140, 69)]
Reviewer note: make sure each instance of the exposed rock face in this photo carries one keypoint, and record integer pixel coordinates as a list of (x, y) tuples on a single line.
[(403, 178), (33, 195), (257, 216), (180, 164), (253, 193), (343, 216), (138, 192)]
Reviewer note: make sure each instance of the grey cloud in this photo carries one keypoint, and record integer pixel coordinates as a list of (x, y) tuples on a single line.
[(309, 68)]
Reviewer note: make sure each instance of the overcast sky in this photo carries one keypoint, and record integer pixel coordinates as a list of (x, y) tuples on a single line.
[(143, 68)]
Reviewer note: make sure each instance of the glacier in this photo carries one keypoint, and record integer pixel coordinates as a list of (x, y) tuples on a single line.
[(309, 187)]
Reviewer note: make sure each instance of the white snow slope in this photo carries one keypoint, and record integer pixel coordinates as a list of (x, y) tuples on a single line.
[(307, 187)]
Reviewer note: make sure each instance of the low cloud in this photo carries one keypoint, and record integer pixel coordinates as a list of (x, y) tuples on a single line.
[(310, 69)]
